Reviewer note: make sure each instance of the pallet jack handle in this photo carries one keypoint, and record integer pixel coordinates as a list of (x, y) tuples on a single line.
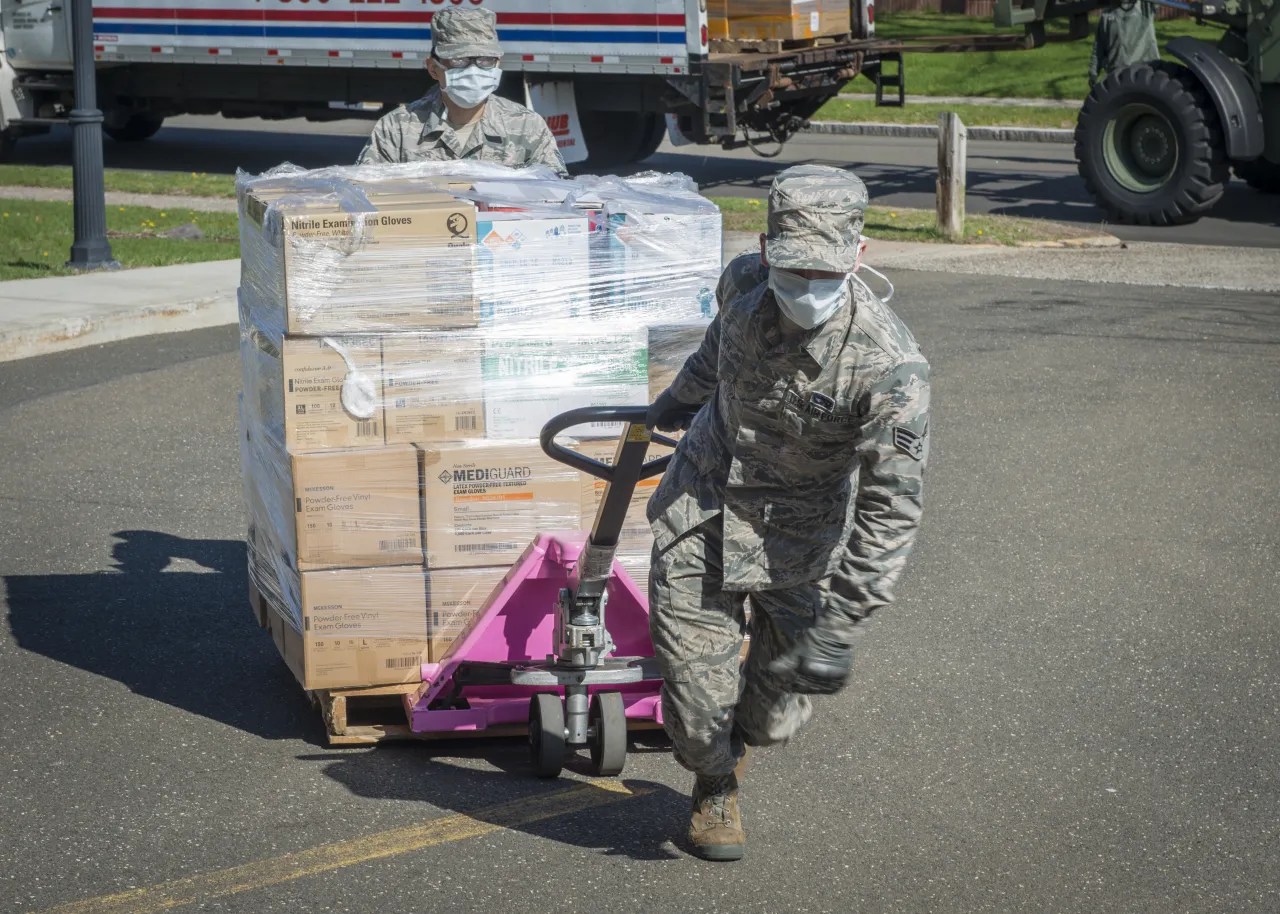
[(633, 416)]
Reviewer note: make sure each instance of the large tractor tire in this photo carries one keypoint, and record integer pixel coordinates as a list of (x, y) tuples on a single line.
[(1149, 146), (1260, 174), (135, 129), (619, 137), (8, 141)]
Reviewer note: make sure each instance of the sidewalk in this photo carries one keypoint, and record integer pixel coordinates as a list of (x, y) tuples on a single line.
[(175, 202), (1073, 103), (39, 316)]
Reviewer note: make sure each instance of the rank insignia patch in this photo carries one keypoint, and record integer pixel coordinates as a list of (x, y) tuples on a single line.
[(907, 441)]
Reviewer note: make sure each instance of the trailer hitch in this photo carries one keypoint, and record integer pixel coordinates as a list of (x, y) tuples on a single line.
[(777, 131)]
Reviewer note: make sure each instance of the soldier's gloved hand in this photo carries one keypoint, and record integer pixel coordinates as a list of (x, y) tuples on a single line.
[(818, 664), (667, 414)]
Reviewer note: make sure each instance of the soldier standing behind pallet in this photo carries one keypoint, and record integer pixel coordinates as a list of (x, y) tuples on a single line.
[(461, 118), (797, 490), (1126, 36)]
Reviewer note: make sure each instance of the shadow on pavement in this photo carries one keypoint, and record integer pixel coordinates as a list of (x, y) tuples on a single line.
[(645, 827), (172, 623)]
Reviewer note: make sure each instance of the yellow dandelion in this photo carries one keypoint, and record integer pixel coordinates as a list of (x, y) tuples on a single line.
[(162, 215), (194, 175), (979, 231), (46, 253), (893, 215), (754, 202), (122, 209), (6, 215)]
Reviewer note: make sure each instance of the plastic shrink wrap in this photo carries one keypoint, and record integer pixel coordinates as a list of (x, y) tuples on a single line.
[(405, 333)]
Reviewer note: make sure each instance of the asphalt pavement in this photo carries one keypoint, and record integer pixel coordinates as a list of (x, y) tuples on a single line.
[(1018, 179), (1071, 708)]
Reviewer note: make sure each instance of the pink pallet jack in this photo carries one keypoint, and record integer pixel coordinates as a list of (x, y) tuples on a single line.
[(597, 674)]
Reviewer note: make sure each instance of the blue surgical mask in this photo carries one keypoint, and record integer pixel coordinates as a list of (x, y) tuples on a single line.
[(807, 302), (470, 86)]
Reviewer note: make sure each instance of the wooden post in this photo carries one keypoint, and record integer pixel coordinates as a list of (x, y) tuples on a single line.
[(952, 143)]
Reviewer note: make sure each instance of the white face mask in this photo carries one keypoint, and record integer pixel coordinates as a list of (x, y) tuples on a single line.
[(469, 86), (807, 302)]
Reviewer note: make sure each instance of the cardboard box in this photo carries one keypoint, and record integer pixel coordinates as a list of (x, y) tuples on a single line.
[(432, 386), (295, 391), (484, 501), (357, 507), (455, 597), (529, 379), (787, 20), (531, 267), (361, 627), (670, 346), (637, 566), (364, 626), (656, 266), (636, 537), (392, 261)]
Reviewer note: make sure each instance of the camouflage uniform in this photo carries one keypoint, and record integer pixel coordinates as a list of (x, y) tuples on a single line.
[(1126, 36), (797, 489), (508, 133)]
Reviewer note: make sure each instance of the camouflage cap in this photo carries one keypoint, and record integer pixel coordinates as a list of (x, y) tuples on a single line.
[(459, 33), (815, 219)]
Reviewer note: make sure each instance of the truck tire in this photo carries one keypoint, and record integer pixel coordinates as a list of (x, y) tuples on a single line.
[(137, 128), (1149, 146), (619, 137), (8, 140), (1260, 174)]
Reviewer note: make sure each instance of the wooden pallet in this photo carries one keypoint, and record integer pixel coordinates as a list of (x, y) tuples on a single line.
[(368, 716), (774, 45), (373, 714)]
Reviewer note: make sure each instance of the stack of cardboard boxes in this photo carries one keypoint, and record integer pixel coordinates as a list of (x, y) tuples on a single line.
[(782, 20), (403, 342)]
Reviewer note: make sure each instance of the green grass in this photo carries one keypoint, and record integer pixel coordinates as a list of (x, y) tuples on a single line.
[(119, 179), (888, 224), (1059, 70), (850, 109), (35, 237)]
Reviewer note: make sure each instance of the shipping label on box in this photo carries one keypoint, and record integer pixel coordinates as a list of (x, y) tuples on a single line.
[(484, 501), (455, 597), (357, 507), (531, 269), (312, 372), (432, 386), (636, 537), (365, 626), (528, 379)]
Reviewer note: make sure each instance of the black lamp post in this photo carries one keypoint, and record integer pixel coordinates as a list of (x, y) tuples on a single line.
[(90, 250)]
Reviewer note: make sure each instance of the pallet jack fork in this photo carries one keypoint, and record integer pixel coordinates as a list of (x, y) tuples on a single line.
[(568, 593)]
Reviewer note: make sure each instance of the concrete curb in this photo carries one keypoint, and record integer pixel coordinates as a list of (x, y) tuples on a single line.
[(999, 134), (43, 316)]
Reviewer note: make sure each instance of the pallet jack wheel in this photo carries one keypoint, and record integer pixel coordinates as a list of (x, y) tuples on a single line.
[(546, 734), (608, 722)]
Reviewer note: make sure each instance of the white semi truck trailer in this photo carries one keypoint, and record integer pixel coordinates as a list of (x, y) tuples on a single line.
[(611, 76)]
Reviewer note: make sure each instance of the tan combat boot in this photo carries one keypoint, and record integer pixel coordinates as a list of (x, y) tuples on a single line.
[(715, 826)]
